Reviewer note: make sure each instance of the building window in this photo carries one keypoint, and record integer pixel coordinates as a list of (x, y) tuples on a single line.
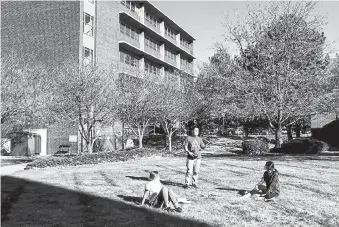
[(151, 43), (129, 31), (129, 5), (169, 32), (169, 54), (88, 24), (151, 68), (88, 56), (129, 59), (152, 20)]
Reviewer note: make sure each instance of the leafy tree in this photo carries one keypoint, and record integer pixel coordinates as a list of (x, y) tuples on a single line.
[(24, 92), (284, 67)]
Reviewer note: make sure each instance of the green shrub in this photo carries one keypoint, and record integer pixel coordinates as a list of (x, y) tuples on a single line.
[(95, 158), (301, 146), (263, 139), (254, 147)]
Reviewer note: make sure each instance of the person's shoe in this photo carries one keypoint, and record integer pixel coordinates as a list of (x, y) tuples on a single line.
[(185, 186), (195, 186), (178, 209)]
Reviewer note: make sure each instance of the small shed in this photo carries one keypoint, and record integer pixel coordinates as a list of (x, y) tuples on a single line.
[(25, 144)]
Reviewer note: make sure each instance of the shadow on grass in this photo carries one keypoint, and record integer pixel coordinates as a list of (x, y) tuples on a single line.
[(330, 156), (164, 182), (133, 199), (29, 203), (240, 191)]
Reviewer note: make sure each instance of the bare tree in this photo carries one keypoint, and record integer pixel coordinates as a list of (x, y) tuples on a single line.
[(174, 104), (84, 97), (136, 102)]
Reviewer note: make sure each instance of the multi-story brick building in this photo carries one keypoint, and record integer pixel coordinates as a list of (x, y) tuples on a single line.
[(135, 35)]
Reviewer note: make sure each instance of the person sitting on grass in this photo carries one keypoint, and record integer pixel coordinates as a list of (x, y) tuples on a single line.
[(271, 179), (159, 196)]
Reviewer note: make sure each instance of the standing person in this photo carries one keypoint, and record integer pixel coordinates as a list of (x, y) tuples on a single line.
[(271, 179), (193, 144)]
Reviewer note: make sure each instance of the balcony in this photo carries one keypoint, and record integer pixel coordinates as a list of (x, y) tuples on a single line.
[(130, 70), (187, 49), (174, 41), (171, 61), (187, 69), (152, 52), (133, 14), (151, 26), (129, 40)]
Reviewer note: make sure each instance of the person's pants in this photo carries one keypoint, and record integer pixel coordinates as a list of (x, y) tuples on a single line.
[(193, 165), (262, 190), (164, 197)]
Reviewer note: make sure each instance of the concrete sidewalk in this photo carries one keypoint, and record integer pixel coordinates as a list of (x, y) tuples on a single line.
[(11, 169)]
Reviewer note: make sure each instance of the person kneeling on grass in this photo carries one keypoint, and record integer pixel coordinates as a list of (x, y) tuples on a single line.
[(159, 195), (271, 179)]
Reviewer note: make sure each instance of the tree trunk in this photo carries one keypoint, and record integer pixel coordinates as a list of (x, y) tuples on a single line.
[(169, 139), (140, 141), (89, 147), (245, 131), (278, 139), (122, 136), (289, 132), (297, 131)]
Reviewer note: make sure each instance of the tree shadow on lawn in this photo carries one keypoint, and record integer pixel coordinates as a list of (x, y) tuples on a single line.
[(240, 191), (164, 182), (32, 203), (276, 157)]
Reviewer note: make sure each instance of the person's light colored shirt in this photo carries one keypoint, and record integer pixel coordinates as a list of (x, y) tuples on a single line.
[(154, 186)]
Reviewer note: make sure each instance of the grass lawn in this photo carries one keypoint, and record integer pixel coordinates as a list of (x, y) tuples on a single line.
[(104, 194)]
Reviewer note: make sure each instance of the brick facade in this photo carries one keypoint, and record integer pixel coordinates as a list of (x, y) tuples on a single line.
[(45, 30), (59, 135), (106, 36)]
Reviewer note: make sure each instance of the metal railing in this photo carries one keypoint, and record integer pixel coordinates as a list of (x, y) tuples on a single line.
[(134, 14), (170, 61), (151, 26), (134, 42), (152, 51)]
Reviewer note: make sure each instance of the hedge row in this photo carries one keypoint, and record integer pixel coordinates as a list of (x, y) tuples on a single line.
[(259, 146), (302, 146), (96, 158)]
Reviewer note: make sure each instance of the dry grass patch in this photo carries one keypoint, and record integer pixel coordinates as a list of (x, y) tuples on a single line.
[(104, 194)]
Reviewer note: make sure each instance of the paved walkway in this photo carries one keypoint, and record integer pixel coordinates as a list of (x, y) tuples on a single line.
[(11, 169)]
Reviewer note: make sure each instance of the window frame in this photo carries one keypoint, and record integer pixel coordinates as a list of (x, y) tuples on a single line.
[(91, 55), (90, 24)]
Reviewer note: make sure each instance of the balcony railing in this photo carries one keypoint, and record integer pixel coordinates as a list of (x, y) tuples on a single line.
[(134, 42), (187, 69), (134, 14), (152, 51), (129, 69), (171, 39), (188, 49), (170, 61), (151, 26)]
